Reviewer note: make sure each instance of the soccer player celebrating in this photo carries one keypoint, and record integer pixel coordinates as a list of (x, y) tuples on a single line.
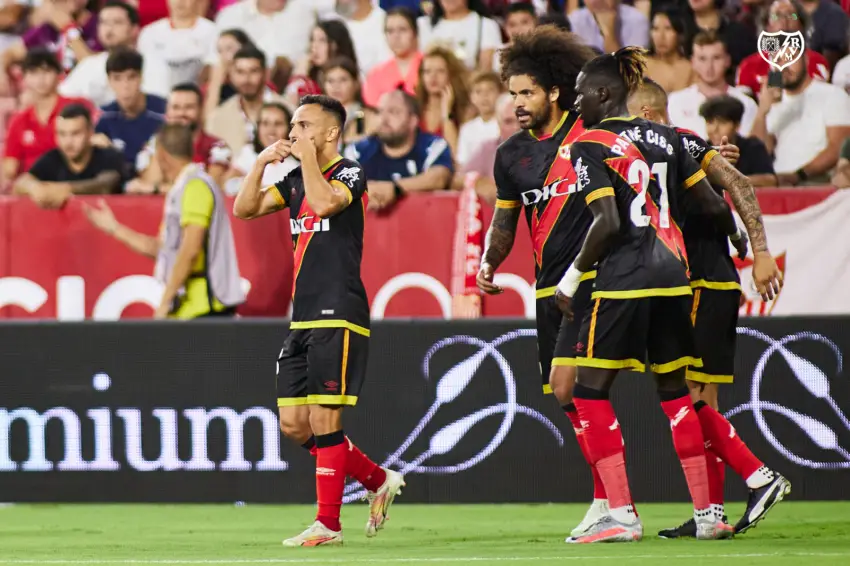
[(717, 293), (632, 174), (532, 171), (323, 361)]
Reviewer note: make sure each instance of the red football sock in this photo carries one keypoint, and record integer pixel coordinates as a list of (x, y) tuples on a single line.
[(598, 486), (605, 448), (725, 442), (332, 453), (688, 441), (716, 476), (364, 470)]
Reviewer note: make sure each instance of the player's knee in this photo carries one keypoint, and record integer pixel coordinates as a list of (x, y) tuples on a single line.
[(294, 427), (562, 380)]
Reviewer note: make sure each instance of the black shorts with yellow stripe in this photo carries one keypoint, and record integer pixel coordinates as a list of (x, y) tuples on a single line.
[(623, 333), (556, 335), (322, 366), (714, 314)]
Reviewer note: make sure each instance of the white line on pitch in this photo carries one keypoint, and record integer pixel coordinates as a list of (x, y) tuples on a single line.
[(458, 559)]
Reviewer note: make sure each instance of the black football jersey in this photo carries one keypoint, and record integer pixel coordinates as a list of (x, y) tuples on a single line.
[(707, 245), (327, 289), (536, 174), (644, 166)]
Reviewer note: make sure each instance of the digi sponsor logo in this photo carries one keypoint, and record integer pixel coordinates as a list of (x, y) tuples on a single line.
[(552, 190), (309, 224)]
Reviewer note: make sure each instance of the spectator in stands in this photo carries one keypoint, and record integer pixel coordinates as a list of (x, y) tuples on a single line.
[(804, 125), (740, 41), (781, 15), (403, 67), (129, 122), (118, 28), (482, 160), (219, 88), (462, 26), (557, 19), (280, 28), (520, 17), (841, 177), (442, 95), (273, 126), (401, 158), (70, 31), (185, 41), (710, 62), (196, 256), (609, 25), (184, 108), (75, 166), (722, 115), (667, 64), (365, 22), (486, 88), (31, 131), (328, 40), (841, 74), (235, 120), (341, 83), (830, 29)]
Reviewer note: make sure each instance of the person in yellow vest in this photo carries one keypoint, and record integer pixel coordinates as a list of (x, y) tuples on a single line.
[(195, 253)]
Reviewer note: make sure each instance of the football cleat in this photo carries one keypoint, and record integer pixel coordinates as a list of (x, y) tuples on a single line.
[(315, 535), (709, 528), (380, 501), (608, 529), (688, 529), (761, 501), (597, 510)]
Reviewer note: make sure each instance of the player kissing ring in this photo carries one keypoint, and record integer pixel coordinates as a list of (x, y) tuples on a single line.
[(449, 387)]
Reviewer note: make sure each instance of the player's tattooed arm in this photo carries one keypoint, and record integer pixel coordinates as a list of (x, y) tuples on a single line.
[(723, 174), (498, 244), (500, 236)]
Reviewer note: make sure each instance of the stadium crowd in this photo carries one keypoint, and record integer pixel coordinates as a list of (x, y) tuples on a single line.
[(85, 86)]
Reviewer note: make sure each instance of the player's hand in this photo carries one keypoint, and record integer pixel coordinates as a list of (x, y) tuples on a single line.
[(741, 245), (101, 216), (484, 280), (565, 304), (303, 147), (278, 151), (730, 151), (766, 275)]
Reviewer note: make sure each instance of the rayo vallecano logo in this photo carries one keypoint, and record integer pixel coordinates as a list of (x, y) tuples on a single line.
[(781, 49)]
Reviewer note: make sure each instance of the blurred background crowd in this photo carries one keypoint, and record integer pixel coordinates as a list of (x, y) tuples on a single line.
[(85, 86)]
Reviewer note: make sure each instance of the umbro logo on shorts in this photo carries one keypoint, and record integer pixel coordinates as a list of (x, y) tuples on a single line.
[(325, 471)]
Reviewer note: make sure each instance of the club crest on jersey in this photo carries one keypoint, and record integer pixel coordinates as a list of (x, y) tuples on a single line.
[(309, 224), (564, 151), (348, 175), (551, 190), (582, 174), (692, 147)]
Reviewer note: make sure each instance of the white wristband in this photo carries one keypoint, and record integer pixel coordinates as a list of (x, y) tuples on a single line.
[(570, 281), (736, 236)]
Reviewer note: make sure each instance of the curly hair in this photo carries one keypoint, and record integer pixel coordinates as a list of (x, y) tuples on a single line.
[(549, 55), (621, 71), (457, 78)]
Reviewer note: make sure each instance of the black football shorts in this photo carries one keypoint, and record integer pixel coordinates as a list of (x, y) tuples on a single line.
[(557, 336), (321, 366), (714, 315), (623, 333)]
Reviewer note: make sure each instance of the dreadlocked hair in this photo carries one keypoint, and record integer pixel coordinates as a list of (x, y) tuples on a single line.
[(549, 55), (632, 63)]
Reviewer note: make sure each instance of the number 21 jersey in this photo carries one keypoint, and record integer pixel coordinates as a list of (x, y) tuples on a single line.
[(645, 167)]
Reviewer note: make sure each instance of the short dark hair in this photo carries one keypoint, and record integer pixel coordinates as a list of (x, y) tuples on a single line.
[(132, 13), (40, 58), (177, 140), (703, 38), (250, 51), (189, 87), (520, 7), (124, 59), (723, 107), (550, 56), (240, 36), (76, 110), (410, 101), (328, 104), (557, 19)]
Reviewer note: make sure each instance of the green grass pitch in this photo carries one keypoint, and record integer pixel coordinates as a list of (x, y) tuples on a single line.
[(798, 534)]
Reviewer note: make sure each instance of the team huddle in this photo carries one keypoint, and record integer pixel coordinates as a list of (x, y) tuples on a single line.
[(631, 250)]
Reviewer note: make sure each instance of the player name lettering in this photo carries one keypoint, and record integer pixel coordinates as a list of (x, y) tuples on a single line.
[(551, 190), (309, 224), (634, 135)]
